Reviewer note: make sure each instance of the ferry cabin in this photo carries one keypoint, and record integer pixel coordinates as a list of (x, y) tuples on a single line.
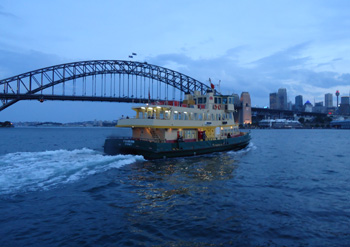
[(198, 118)]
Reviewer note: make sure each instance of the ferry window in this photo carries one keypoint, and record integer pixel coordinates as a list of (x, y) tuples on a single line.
[(195, 101), (200, 101), (195, 116), (200, 116), (219, 100), (185, 116), (230, 101), (161, 115), (216, 100), (212, 117), (204, 100), (180, 115), (224, 100), (175, 116)]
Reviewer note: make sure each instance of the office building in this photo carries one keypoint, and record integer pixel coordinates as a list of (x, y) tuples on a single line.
[(344, 107), (236, 100), (273, 101), (308, 106), (282, 99), (328, 100), (246, 112), (319, 108), (299, 103), (345, 100)]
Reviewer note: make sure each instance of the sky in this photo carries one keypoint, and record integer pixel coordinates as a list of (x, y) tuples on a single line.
[(255, 46)]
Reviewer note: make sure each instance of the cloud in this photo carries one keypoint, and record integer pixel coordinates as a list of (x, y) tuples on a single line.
[(16, 62), (7, 14), (291, 68)]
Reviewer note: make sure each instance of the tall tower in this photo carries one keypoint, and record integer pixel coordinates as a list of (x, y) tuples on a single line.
[(328, 100), (273, 101), (337, 94), (246, 112), (282, 99), (299, 103)]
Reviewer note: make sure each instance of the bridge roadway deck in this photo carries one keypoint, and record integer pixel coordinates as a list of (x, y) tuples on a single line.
[(74, 98)]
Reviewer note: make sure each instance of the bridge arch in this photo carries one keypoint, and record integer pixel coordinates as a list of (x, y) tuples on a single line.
[(42, 84)]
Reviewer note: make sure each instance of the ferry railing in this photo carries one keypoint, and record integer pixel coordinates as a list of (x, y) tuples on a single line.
[(165, 141)]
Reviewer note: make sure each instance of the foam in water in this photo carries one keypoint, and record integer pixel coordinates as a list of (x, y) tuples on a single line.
[(245, 150), (32, 171)]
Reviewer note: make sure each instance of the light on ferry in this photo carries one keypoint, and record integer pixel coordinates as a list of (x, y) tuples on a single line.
[(175, 111), (159, 107), (185, 112), (150, 108), (143, 108)]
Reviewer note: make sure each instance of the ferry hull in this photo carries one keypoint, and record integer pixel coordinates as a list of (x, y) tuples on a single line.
[(155, 150)]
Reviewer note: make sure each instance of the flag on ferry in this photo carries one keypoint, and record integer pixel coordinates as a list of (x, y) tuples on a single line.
[(211, 84)]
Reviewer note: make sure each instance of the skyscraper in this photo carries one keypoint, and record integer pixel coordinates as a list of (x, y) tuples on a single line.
[(328, 100), (299, 103), (273, 101), (282, 99), (246, 112), (344, 107)]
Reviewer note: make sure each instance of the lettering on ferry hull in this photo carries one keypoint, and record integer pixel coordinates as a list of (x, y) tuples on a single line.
[(128, 142)]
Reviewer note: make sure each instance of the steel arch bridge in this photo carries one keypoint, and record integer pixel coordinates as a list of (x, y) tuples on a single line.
[(98, 80)]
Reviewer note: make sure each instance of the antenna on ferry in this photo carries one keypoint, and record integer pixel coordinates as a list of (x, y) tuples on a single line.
[(219, 86)]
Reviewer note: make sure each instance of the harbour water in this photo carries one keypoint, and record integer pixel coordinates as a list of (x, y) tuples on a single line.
[(287, 188)]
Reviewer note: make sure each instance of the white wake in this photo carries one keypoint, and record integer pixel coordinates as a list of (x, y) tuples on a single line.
[(32, 171)]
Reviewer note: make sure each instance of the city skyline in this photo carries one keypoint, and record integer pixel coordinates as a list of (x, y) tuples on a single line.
[(254, 47), (278, 102), (329, 99)]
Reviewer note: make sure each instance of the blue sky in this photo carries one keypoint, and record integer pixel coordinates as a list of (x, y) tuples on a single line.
[(255, 46)]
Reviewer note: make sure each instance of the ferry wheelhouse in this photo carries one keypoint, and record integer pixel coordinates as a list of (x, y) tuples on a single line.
[(198, 125)]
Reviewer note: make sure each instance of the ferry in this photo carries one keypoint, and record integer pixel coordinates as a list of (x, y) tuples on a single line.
[(200, 124)]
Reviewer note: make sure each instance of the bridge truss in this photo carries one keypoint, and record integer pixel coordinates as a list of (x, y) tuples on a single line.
[(99, 80)]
